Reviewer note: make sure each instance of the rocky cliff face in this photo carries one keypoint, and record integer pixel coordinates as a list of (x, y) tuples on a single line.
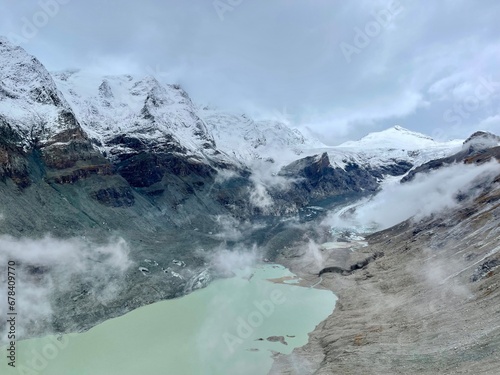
[(37, 123), (322, 180)]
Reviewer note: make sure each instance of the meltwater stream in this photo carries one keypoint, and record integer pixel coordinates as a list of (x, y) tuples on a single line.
[(221, 329)]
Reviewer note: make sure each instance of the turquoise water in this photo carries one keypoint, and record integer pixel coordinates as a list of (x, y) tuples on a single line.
[(215, 330)]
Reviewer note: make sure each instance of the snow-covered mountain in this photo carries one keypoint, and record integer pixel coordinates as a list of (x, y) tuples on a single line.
[(396, 137), (244, 138), (142, 110), (384, 147), (148, 130), (30, 101), (125, 114)]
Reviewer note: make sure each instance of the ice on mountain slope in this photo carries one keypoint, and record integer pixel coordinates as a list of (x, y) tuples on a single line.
[(157, 116), (396, 137), (29, 99), (243, 138)]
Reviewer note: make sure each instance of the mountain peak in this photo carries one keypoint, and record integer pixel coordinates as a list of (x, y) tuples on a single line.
[(395, 137), (6, 43), (29, 99), (481, 140), (23, 74), (408, 132)]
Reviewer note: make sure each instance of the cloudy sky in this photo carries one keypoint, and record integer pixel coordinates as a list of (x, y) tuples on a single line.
[(338, 68)]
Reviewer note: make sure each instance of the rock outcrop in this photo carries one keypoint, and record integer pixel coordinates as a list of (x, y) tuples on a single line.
[(479, 148), (316, 179)]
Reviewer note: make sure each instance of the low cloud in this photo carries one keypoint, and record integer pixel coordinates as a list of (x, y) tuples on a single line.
[(259, 196), (232, 229), (48, 266), (426, 195), (313, 255), (227, 261), (265, 178)]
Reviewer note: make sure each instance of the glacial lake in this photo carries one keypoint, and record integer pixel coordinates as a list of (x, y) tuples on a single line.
[(221, 329)]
